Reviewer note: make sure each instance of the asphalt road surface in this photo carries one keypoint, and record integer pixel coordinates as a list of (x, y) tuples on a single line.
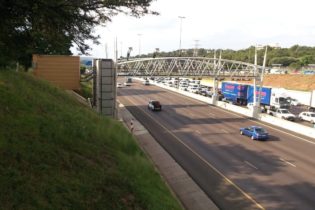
[(233, 170)]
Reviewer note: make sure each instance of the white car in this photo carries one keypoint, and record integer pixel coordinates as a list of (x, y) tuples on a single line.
[(283, 114), (127, 84), (119, 85), (183, 87), (307, 116)]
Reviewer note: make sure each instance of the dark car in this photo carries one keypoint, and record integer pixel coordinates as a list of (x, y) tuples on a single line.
[(154, 105), (255, 132)]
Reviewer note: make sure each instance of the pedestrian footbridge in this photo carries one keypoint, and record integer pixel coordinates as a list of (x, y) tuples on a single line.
[(188, 67)]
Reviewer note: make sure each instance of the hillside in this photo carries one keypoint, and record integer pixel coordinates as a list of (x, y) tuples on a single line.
[(56, 154), (287, 81), (291, 81)]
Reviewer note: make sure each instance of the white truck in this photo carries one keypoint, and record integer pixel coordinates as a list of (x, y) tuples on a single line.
[(279, 98), (312, 102)]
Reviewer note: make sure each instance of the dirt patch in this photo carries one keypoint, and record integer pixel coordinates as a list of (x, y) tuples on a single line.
[(287, 81), (291, 82)]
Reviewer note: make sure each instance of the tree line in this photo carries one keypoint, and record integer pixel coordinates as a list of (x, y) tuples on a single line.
[(294, 57)]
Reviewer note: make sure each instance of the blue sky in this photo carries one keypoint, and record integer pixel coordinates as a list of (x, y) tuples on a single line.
[(225, 24)]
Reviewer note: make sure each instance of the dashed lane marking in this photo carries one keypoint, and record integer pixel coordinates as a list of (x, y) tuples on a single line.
[(287, 162), (251, 165)]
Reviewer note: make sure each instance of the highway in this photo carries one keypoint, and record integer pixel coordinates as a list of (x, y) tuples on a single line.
[(233, 170)]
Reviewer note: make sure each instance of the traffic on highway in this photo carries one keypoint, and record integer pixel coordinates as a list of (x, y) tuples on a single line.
[(235, 171), (274, 101)]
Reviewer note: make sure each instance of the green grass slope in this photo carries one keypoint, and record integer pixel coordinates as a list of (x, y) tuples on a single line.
[(56, 154)]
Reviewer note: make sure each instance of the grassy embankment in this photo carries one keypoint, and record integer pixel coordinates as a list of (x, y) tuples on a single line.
[(56, 154)]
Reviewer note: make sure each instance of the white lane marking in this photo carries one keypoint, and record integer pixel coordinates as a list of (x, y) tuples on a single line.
[(197, 132), (212, 115), (251, 165), (224, 131), (287, 162)]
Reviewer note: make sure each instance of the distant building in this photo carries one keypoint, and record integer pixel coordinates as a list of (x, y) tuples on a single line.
[(275, 46)]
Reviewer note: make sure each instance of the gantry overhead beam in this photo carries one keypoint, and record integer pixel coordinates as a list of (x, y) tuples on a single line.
[(189, 66)]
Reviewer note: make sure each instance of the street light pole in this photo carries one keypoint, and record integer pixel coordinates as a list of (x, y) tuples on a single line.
[(121, 49), (255, 72), (262, 74), (180, 34), (195, 54), (139, 44)]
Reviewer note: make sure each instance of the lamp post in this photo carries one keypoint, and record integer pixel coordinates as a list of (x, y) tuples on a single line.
[(139, 44), (128, 52), (121, 49), (195, 54), (257, 47), (257, 100), (155, 54), (180, 34)]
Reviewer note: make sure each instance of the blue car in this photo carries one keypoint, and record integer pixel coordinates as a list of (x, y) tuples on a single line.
[(254, 132)]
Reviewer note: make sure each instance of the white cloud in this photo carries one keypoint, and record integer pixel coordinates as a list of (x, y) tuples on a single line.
[(216, 24)]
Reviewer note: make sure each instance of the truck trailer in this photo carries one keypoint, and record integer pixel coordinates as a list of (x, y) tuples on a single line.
[(270, 97), (243, 94), (234, 92)]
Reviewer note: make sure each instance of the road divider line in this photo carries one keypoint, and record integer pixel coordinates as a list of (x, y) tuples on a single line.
[(224, 131), (251, 165), (205, 161), (287, 162), (197, 132)]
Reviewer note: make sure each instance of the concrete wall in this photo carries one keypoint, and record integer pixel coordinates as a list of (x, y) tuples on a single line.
[(291, 126), (61, 70)]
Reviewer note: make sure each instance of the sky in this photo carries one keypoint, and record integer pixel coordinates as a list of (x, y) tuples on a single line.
[(209, 24)]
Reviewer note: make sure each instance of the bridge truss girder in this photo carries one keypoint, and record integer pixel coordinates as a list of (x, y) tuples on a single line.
[(189, 66)]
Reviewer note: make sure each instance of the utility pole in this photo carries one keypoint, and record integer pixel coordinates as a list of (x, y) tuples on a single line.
[(121, 47), (106, 51), (196, 48), (139, 44), (116, 49), (180, 34)]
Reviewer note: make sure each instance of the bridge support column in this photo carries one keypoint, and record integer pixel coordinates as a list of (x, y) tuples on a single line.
[(256, 111), (214, 98), (104, 90)]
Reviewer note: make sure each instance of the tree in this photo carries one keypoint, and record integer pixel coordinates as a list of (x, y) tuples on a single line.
[(52, 26), (285, 61), (306, 59)]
